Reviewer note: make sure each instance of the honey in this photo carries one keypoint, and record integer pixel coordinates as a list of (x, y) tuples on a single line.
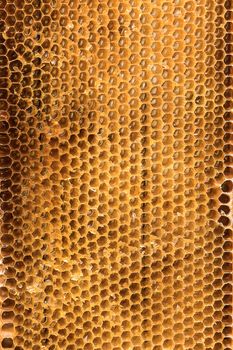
[(116, 174)]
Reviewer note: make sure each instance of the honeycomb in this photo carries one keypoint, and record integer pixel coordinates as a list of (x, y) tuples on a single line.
[(116, 174)]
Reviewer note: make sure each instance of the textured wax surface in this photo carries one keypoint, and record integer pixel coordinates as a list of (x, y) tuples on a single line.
[(115, 166)]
